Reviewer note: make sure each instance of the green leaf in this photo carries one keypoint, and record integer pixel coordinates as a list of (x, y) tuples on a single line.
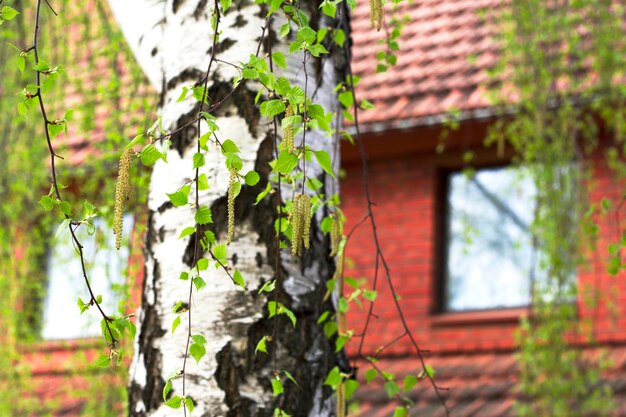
[(370, 295), (233, 161), (342, 305), (329, 8), (252, 178), (263, 193), (351, 387), (261, 346), (47, 202), (269, 286), (392, 388), (188, 400), (279, 59), (238, 279), (103, 361), (272, 108), (180, 197), (199, 283), (21, 63), (346, 99), (203, 264), (66, 208), (400, 411), (220, 252), (149, 155), (199, 339), (198, 160), (187, 231), (82, 305), (184, 276), (228, 146), (277, 386), (284, 30), (136, 140), (174, 402), (8, 13), (409, 382), (203, 215), (286, 162), (175, 324), (370, 375), (324, 160), (317, 50), (225, 5), (64, 224), (334, 378), (167, 388), (203, 182), (197, 351), (340, 37), (306, 34)]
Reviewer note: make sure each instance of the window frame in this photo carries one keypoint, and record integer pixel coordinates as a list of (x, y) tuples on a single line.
[(444, 315)]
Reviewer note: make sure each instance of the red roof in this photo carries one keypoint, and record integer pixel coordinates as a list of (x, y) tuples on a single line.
[(445, 52), (475, 385)]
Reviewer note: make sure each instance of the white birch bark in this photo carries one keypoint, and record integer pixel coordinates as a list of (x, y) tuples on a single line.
[(173, 49)]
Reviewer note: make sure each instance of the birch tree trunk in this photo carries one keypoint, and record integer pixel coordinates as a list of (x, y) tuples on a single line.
[(172, 41)]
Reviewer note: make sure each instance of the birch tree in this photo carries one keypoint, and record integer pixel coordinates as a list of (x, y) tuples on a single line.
[(259, 351)]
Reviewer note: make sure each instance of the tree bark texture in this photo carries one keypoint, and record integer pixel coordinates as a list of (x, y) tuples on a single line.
[(172, 41)]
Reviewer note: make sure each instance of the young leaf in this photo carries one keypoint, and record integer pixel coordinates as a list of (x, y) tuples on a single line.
[(174, 402), (179, 198), (261, 346), (334, 378), (203, 215), (252, 178), (103, 361), (175, 324), (197, 351), (187, 231), (286, 162), (188, 400), (277, 386), (238, 279), (324, 160)]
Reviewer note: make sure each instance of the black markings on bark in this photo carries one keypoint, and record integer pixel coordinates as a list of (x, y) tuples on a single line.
[(200, 9), (150, 394), (175, 5), (190, 75), (240, 21)]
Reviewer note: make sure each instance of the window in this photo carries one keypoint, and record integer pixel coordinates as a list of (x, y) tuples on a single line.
[(489, 254), (105, 268)]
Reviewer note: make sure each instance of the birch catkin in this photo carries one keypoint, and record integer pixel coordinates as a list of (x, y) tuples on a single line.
[(231, 206), (376, 14), (288, 133), (122, 190), (300, 219)]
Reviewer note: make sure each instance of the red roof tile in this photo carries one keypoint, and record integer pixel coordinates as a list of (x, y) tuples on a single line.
[(445, 51), (483, 385)]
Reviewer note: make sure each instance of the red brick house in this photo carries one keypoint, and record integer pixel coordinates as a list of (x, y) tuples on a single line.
[(446, 52), (470, 337)]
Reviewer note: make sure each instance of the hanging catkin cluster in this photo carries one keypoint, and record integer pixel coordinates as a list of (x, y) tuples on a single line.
[(122, 190), (336, 234), (288, 133), (300, 219), (231, 206), (376, 13)]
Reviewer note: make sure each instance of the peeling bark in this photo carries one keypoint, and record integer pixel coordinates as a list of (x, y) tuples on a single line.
[(170, 39)]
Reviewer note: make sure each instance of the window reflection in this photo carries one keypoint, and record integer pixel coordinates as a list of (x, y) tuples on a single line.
[(106, 270)]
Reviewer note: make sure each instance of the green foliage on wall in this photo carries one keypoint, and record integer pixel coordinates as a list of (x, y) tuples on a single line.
[(105, 77), (562, 68)]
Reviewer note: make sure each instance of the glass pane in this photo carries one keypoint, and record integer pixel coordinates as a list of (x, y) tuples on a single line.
[(490, 253), (105, 268)]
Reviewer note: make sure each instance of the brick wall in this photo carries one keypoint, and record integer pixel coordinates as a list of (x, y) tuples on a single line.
[(405, 182)]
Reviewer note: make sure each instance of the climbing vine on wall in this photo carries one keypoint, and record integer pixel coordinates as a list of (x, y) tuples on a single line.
[(103, 80), (560, 84)]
